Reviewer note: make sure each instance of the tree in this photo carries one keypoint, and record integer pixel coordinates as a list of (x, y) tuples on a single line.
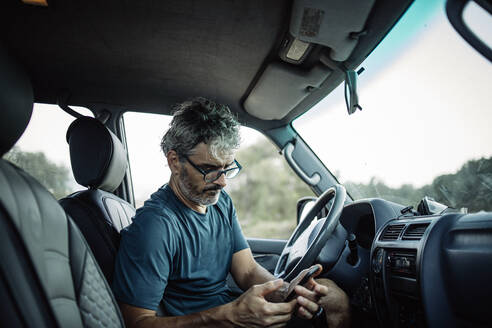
[(376, 188), (470, 187), (53, 177), (265, 194)]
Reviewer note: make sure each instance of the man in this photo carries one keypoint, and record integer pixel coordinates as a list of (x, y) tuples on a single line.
[(186, 239)]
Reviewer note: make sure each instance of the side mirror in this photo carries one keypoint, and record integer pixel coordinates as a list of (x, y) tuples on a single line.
[(303, 206)]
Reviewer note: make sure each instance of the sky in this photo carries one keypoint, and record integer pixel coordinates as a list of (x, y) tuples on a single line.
[(426, 111)]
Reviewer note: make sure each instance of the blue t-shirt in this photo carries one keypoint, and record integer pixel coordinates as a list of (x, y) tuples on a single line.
[(173, 253)]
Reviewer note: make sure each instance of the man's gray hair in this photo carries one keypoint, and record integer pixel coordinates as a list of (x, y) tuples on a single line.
[(201, 120)]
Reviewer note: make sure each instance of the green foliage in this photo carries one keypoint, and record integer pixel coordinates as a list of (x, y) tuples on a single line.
[(53, 177), (470, 187), (406, 194), (266, 192)]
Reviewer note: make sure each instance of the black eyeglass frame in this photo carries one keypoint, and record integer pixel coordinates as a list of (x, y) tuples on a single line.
[(219, 172)]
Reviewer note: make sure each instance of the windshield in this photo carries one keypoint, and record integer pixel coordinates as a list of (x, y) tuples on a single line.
[(425, 124)]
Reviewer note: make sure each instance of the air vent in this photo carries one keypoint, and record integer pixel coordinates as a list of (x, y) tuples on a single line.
[(415, 231), (392, 232)]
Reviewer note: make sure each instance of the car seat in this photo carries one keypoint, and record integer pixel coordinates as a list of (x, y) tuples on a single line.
[(99, 162), (48, 275)]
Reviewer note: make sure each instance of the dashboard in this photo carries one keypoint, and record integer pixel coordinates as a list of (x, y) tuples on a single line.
[(416, 271), (433, 271)]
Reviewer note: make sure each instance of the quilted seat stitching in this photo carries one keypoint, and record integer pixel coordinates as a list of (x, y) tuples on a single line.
[(94, 294)]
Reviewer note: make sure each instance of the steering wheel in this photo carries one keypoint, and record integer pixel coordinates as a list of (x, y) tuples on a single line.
[(304, 246)]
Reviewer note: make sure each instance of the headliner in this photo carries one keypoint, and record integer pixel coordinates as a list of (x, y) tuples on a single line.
[(147, 55)]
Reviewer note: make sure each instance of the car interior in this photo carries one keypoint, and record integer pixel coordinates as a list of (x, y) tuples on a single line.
[(270, 62)]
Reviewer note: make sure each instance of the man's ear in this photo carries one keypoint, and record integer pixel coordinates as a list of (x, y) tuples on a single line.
[(173, 162)]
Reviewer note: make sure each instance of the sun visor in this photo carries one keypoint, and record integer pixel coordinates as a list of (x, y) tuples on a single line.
[(336, 24), (281, 88)]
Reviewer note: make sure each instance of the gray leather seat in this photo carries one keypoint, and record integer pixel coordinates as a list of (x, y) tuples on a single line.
[(48, 275), (99, 162)]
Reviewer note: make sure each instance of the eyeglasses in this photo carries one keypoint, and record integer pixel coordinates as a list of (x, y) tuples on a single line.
[(213, 175)]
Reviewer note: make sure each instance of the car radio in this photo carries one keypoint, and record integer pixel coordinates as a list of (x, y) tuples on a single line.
[(394, 274), (402, 262)]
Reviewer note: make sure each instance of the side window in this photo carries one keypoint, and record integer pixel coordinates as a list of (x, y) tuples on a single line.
[(265, 193), (147, 162), (43, 152)]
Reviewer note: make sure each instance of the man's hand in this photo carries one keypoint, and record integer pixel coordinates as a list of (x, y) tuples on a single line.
[(251, 309), (326, 294)]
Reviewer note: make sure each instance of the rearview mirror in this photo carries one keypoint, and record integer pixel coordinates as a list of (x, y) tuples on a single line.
[(351, 96)]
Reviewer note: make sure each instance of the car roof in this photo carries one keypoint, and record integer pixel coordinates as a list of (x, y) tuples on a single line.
[(148, 55)]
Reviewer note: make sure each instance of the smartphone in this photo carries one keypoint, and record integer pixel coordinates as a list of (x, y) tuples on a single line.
[(305, 279)]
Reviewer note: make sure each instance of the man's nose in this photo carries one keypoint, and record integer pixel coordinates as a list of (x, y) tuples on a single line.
[(221, 181)]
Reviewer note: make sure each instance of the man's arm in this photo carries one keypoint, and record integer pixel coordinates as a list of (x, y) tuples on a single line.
[(249, 310), (246, 271), (138, 317)]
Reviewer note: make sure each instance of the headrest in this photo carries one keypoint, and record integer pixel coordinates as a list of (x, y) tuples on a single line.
[(99, 160), (16, 101)]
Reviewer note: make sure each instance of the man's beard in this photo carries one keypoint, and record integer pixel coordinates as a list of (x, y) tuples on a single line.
[(204, 197)]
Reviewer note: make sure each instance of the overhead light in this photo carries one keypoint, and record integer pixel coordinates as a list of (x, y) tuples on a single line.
[(294, 51), (297, 49), (42, 3)]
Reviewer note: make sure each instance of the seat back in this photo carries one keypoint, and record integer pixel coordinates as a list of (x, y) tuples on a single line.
[(51, 278), (99, 162)]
